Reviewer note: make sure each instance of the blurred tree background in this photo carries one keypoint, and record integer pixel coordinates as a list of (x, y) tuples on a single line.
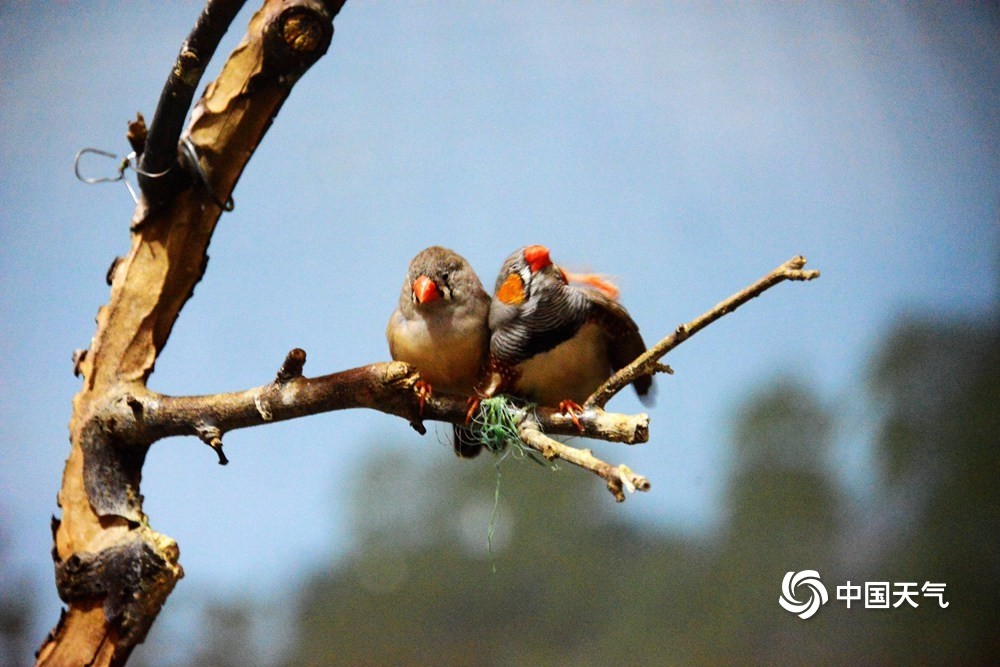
[(574, 584)]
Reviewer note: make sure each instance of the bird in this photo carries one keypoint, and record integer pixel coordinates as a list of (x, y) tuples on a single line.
[(441, 328), (553, 341)]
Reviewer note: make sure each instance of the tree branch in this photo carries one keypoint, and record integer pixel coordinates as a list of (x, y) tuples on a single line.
[(647, 362), (388, 387), (159, 154), (618, 477)]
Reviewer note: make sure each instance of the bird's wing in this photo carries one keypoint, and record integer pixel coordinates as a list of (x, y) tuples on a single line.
[(624, 340)]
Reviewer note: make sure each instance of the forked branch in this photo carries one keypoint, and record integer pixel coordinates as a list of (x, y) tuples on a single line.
[(113, 571), (648, 362), (619, 478)]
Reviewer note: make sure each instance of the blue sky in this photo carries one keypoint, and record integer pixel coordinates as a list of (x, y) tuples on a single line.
[(684, 149)]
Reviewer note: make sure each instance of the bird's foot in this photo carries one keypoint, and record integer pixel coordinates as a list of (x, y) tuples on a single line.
[(572, 409), (424, 391)]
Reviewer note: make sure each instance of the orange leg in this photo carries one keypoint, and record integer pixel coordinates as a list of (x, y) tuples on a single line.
[(424, 391), (572, 408), (473, 405)]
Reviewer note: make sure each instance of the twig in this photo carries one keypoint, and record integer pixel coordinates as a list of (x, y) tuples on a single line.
[(647, 362), (292, 368), (619, 478), (212, 437)]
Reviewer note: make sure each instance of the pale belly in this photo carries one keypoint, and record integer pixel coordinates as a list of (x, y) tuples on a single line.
[(569, 371), (450, 362)]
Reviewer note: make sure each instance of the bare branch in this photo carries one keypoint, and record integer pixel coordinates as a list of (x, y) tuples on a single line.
[(390, 388), (159, 153), (648, 361), (619, 478), (387, 387)]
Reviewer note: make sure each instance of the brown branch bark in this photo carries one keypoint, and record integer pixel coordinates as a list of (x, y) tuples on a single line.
[(112, 569), (143, 416), (648, 362), (619, 478)]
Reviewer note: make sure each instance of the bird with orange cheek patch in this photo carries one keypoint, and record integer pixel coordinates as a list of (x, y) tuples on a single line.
[(552, 341), (440, 327)]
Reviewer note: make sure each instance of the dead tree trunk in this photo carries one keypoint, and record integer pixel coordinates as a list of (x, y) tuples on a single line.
[(112, 569)]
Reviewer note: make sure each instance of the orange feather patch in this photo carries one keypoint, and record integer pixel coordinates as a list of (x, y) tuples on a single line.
[(512, 290), (595, 280)]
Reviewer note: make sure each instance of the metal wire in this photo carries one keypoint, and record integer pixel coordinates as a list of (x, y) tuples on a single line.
[(130, 161), (123, 164), (192, 154)]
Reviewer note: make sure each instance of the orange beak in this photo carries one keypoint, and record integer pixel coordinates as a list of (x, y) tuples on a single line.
[(425, 290), (537, 257)]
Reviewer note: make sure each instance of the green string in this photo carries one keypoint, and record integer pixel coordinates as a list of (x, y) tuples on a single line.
[(493, 521), (496, 427)]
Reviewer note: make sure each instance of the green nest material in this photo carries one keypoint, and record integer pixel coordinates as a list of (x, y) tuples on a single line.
[(496, 424), (496, 427)]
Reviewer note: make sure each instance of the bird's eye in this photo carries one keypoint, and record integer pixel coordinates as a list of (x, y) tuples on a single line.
[(444, 277)]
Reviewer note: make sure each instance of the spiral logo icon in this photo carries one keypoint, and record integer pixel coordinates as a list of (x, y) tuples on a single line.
[(807, 579)]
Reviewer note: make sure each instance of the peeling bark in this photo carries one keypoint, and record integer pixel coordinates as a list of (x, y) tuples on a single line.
[(113, 570)]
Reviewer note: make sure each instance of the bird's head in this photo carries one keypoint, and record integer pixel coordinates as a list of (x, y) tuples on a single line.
[(438, 276), (525, 271)]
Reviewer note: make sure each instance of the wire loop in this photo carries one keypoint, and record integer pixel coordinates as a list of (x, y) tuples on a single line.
[(123, 164), (130, 161)]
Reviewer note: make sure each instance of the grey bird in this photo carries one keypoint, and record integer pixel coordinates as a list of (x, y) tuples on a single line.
[(441, 328), (554, 342)]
